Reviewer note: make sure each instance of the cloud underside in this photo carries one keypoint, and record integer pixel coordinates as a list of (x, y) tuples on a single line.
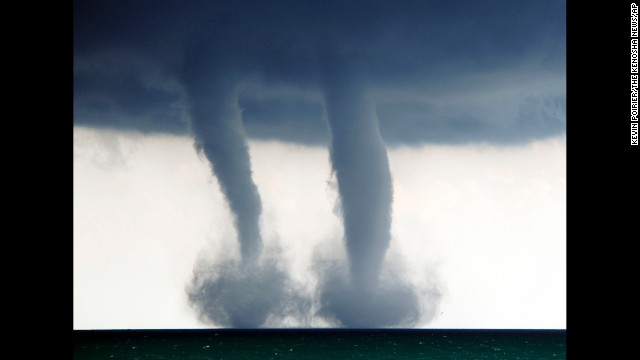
[(437, 72)]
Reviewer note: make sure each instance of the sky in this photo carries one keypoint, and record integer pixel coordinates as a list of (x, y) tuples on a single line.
[(319, 164)]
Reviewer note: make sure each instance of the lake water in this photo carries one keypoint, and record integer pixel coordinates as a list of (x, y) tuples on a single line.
[(320, 344)]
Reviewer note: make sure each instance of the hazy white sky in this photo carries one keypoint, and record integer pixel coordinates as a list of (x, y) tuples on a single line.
[(484, 226)]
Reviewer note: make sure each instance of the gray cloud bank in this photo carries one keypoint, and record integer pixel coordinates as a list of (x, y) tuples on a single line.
[(439, 72)]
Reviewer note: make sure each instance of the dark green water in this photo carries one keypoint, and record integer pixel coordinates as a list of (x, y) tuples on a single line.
[(320, 344)]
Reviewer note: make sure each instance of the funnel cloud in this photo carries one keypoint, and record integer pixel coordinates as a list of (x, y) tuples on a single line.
[(359, 160), (216, 122)]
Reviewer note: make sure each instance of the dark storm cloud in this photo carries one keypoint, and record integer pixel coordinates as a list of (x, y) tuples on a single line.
[(418, 47), (532, 117), (118, 96), (285, 120)]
